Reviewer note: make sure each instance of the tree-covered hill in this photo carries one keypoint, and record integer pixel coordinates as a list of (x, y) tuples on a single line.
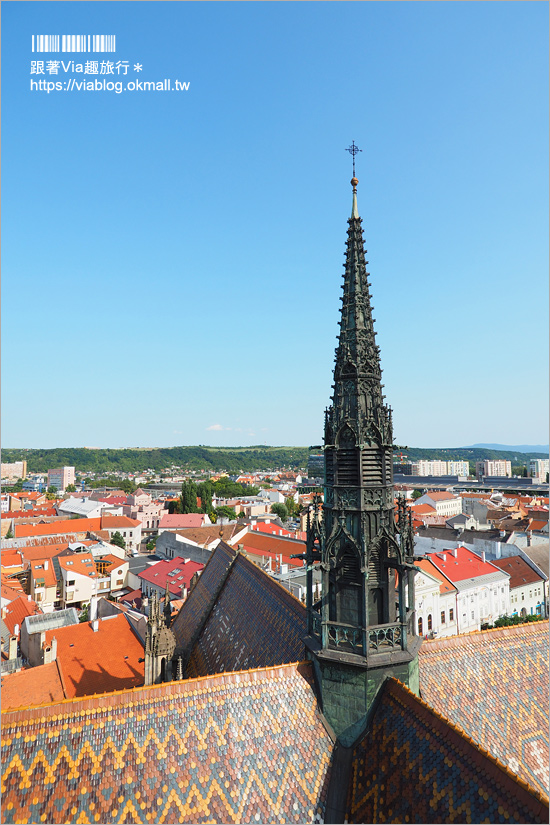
[(229, 459)]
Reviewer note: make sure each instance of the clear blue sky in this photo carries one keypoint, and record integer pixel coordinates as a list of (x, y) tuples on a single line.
[(172, 261)]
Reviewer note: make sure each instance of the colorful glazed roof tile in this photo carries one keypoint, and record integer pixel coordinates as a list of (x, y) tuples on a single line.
[(200, 600), (413, 766), (494, 685), (239, 747), (244, 618)]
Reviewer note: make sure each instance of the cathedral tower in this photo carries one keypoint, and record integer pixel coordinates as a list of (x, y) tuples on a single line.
[(362, 629)]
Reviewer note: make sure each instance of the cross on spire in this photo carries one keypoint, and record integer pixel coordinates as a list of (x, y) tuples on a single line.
[(353, 150)]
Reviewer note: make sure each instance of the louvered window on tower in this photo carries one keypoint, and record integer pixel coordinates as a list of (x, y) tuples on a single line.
[(329, 467), (347, 467), (371, 460), (348, 589)]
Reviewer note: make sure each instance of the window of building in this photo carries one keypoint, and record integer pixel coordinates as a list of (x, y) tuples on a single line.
[(442, 617), (523, 597), (70, 583), (472, 599), (420, 626), (473, 616), (430, 621), (119, 582), (451, 614), (70, 596)]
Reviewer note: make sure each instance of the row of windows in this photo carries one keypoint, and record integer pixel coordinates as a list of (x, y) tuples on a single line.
[(430, 621)]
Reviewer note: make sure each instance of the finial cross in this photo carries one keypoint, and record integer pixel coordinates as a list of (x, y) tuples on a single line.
[(353, 150)]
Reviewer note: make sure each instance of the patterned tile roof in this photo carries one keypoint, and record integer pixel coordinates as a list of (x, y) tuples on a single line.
[(412, 766), (239, 747), (254, 623), (200, 600), (494, 685)]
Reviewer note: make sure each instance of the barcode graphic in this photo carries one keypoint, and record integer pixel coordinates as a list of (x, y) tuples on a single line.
[(74, 42)]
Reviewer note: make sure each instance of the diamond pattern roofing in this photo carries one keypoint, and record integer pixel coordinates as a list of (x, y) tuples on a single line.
[(494, 685), (412, 760), (239, 747)]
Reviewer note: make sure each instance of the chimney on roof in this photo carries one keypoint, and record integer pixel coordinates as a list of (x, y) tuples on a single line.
[(184, 592), (483, 555), (4, 612), (12, 650), (95, 625), (50, 652), (455, 552), (93, 608), (46, 564), (29, 598)]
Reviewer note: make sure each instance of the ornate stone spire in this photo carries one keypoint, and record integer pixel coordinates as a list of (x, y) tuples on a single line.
[(366, 610)]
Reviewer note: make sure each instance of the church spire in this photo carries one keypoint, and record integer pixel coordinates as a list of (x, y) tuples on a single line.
[(365, 618)]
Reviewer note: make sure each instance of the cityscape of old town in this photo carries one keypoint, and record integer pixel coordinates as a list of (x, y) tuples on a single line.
[(349, 633)]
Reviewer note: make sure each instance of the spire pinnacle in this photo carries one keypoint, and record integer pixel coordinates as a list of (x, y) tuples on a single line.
[(354, 150), (354, 212)]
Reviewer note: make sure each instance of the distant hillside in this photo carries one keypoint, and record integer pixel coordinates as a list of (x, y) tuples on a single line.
[(471, 454), (229, 459), (232, 460), (522, 448)]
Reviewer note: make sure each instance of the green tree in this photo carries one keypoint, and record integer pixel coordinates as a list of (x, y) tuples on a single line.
[(9, 534), (280, 510), (117, 540), (226, 512), (174, 506), (151, 544), (52, 489), (291, 506), (70, 488), (416, 494), (84, 614), (204, 491), (189, 497)]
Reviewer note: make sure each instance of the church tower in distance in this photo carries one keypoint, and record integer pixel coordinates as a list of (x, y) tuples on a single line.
[(362, 628)]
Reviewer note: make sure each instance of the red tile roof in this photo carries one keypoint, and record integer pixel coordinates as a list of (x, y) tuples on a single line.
[(57, 527), (177, 572), (427, 566), (262, 544), (520, 572), (96, 662), (16, 612), (43, 569), (423, 509), (82, 563), (33, 686), (11, 558), (441, 496), (118, 522), (466, 565), (180, 521), (535, 524)]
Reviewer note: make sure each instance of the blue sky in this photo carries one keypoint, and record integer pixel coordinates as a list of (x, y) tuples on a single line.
[(172, 261)]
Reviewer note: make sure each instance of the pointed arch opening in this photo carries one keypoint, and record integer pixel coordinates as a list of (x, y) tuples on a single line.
[(346, 603)]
